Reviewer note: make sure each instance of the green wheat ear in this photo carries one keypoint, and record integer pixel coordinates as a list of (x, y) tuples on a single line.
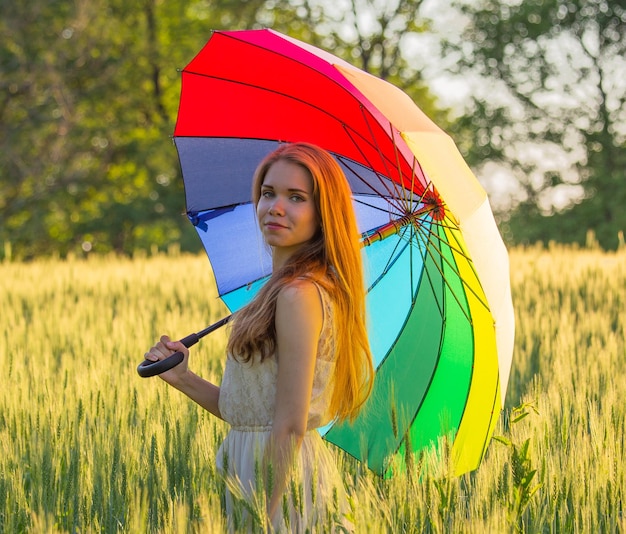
[(394, 420)]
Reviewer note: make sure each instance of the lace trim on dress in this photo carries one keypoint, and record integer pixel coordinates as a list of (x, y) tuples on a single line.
[(252, 428)]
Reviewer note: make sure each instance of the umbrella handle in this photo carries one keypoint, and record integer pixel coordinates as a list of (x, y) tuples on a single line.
[(148, 368)]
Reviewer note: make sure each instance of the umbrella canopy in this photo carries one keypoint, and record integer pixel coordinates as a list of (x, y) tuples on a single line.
[(439, 304)]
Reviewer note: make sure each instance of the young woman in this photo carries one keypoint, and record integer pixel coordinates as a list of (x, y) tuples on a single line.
[(298, 354)]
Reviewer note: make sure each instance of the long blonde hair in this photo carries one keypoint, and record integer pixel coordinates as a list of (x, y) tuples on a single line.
[(332, 258)]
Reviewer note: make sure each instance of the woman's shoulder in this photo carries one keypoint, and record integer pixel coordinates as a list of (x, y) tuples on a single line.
[(301, 289), (317, 295), (323, 287), (304, 294)]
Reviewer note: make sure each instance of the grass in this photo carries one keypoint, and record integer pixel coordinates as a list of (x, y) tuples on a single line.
[(88, 446)]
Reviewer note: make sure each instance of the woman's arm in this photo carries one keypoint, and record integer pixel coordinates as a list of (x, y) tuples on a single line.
[(299, 317), (197, 389)]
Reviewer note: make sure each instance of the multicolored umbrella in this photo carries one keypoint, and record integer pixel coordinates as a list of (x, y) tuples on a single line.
[(439, 304)]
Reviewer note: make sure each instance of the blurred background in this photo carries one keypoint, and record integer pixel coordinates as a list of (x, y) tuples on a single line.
[(533, 92)]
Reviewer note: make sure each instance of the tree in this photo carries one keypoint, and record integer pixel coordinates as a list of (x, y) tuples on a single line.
[(554, 111), (67, 163), (88, 100), (88, 104)]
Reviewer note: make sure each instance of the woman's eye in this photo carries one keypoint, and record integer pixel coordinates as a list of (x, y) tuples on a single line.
[(297, 198), (266, 194)]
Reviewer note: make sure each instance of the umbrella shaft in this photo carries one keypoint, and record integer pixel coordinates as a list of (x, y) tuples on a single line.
[(391, 228)]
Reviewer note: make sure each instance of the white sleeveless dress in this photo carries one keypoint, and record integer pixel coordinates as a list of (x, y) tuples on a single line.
[(315, 499)]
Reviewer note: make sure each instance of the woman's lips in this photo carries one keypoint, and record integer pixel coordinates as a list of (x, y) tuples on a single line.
[(274, 226)]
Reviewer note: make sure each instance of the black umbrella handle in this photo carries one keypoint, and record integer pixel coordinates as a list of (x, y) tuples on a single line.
[(148, 368)]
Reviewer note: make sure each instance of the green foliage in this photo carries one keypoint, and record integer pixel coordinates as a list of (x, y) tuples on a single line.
[(553, 112), (85, 158), (521, 468), (88, 102)]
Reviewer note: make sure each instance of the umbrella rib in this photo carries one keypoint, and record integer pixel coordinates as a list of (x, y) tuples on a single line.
[(422, 233), (393, 258), (383, 159), (391, 198), (456, 248), (400, 188), (406, 198), (427, 237), (426, 234), (399, 185), (471, 263), (413, 175), (372, 206), (454, 269), (381, 178), (460, 252)]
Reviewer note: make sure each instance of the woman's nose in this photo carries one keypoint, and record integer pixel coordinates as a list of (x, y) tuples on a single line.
[(276, 207)]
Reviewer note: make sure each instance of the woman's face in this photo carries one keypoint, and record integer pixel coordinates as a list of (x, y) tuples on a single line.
[(286, 210)]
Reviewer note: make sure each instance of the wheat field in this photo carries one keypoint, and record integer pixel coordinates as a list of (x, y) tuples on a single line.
[(88, 446)]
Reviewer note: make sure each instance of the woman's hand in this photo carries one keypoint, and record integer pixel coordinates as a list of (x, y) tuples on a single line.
[(197, 389), (164, 348)]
